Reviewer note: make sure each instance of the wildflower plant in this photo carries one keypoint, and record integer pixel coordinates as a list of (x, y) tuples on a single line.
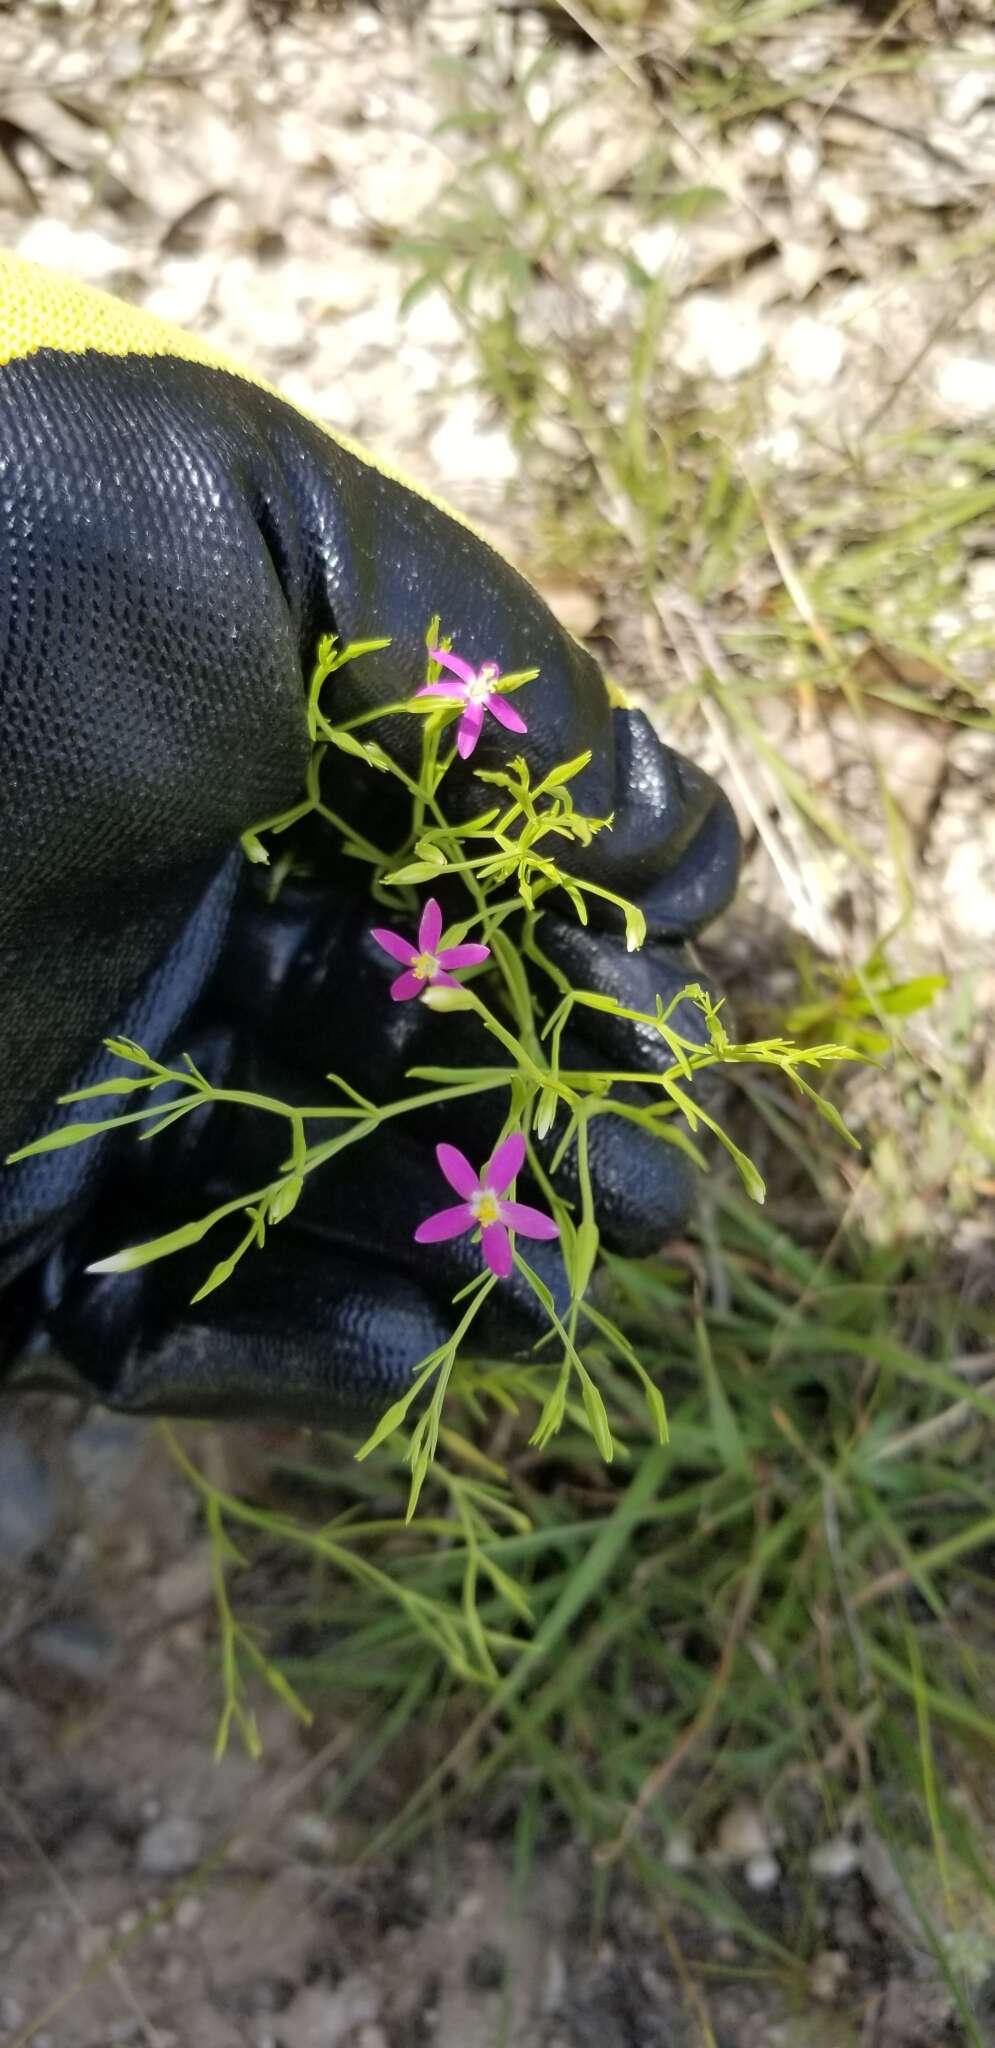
[(509, 859)]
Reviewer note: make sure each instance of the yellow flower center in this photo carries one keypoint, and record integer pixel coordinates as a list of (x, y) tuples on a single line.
[(486, 1207), (424, 966)]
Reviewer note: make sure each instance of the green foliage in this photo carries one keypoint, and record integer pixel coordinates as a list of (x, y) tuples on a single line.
[(508, 861)]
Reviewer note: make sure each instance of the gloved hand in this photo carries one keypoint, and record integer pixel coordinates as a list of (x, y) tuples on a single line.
[(174, 539)]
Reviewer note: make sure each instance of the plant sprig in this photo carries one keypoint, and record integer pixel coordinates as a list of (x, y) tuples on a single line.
[(508, 860)]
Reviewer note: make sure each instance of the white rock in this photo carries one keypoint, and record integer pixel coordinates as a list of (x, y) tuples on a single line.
[(844, 200), (576, 607), (718, 337), (183, 288), (829, 1968), (835, 1859), (804, 259), (762, 1873), (812, 351), (803, 55), (965, 96), (948, 623), (664, 246), (767, 138), (311, 1834), (468, 449), (604, 285), (186, 1585), (679, 1852), (980, 587), (81, 251), (742, 1834), (969, 887), (452, 24), (431, 323), (557, 1981), (343, 213), (780, 445), (965, 386), (538, 100), (397, 185), (171, 1847), (801, 162), (421, 368)]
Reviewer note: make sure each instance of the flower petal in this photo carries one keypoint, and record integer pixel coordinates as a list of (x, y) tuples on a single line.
[(440, 979), (497, 1249), (392, 943), (458, 1171), (405, 987), (430, 928), (506, 714), (455, 663), (444, 1224), (463, 956), (507, 1161), (468, 730), (531, 1222), (454, 691)]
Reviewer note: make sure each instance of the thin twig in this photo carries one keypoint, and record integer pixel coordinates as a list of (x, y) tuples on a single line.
[(114, 1969), (812, 917), (947, 323), (279, 1799)]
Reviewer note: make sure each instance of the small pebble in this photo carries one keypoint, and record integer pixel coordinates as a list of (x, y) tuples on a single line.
[(311, 1835), (826, 1975), (718, 336), (965, 387), (74, 1649), (27, 1509), (170, 1847), (812, 351), (91, 1943), (186, 1585), (802, 162), (835, 1859), (768, 138), (742, 1834), (555, 1987), (762, 1873), (576, 608), (679, 1852)]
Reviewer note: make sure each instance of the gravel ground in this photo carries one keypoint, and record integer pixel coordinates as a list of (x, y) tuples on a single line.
[(245, 170)]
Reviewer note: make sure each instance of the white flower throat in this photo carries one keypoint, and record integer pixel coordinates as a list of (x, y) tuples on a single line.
[(482, 686)]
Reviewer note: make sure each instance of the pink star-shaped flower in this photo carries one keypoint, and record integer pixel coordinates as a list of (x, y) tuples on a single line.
[(479, 692), (483, 1205), (427, 966)]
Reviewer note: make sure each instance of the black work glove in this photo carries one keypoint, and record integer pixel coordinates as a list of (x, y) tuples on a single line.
[(174, 539)]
